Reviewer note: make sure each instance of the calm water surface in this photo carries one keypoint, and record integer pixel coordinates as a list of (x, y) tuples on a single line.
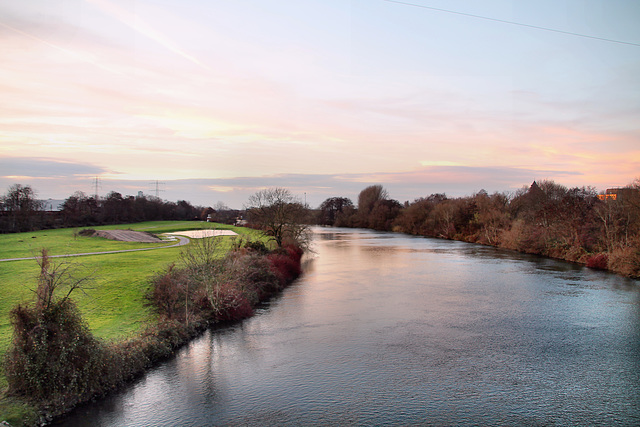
[(390, 329)]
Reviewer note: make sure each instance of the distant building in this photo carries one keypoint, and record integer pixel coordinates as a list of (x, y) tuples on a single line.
[(618, 194), (52, 205)]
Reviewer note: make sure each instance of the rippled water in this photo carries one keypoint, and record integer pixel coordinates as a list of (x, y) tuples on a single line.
[(390, 329)]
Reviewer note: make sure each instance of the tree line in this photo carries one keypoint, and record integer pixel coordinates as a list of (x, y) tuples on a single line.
[(573, 224), (20, 210)]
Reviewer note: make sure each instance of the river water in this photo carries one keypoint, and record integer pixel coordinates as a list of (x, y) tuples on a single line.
[(391, 329)]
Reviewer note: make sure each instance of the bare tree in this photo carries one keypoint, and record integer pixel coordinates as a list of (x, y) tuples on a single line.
[(280, 215), (57, 276)]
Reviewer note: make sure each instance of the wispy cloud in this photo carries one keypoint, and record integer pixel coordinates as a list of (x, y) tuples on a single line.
[(137, 23), (78, 55)]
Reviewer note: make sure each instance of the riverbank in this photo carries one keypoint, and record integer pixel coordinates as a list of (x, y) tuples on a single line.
[(113, 306), (55, 363), (548, 219), (624, 261), (387, 329)]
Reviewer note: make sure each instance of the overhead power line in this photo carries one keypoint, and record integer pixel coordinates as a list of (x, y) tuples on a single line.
[(511, 22)]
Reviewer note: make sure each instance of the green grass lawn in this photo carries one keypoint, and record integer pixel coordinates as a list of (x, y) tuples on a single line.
[(113, 305), (67, 241)]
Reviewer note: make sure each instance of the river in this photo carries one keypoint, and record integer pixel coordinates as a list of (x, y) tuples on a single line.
[(385, 328)]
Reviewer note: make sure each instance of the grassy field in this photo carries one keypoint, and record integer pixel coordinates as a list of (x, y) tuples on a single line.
[(67, 241), (113, 306)]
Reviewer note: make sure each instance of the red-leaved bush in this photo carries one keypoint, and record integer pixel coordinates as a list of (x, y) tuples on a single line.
[(284, 266), (599, 261), (294, 252)]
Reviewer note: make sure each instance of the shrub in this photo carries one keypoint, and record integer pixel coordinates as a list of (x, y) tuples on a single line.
[(53, 356), (87, 232), (233, 304), (226, 298), (576, 253), (256, 277), (244, 243), (294, 252), (285, 265), (257, 246), (223, 289), (168, 291), (598, 261), (625, 261)]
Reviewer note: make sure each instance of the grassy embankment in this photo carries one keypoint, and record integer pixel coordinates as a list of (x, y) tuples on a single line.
[(113, 306)]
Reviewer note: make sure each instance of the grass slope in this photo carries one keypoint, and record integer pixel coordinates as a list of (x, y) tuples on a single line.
[(66, 240), (113, 306)]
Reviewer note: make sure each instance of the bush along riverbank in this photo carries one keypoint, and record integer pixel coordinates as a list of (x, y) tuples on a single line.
[(579, 225), (55, 363)]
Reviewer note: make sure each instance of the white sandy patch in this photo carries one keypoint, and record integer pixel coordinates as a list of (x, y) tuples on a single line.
[(199, 234)]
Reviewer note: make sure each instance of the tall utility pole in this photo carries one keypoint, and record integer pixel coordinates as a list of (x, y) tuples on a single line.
[(96, 186), (157, 189)]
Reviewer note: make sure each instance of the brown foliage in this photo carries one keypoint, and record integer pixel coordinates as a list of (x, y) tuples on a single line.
[(625, 261), (598, 261), (545, 218)]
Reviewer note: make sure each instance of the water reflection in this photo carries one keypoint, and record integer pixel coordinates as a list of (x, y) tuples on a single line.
[(390, 329)]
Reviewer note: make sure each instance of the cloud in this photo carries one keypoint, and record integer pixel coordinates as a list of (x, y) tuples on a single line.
[(58, 180), (136, 23), (455, 181), (114, 92), (77, 55), (29, 167)]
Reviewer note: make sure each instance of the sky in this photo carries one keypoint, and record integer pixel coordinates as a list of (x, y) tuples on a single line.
[(211, 100)]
